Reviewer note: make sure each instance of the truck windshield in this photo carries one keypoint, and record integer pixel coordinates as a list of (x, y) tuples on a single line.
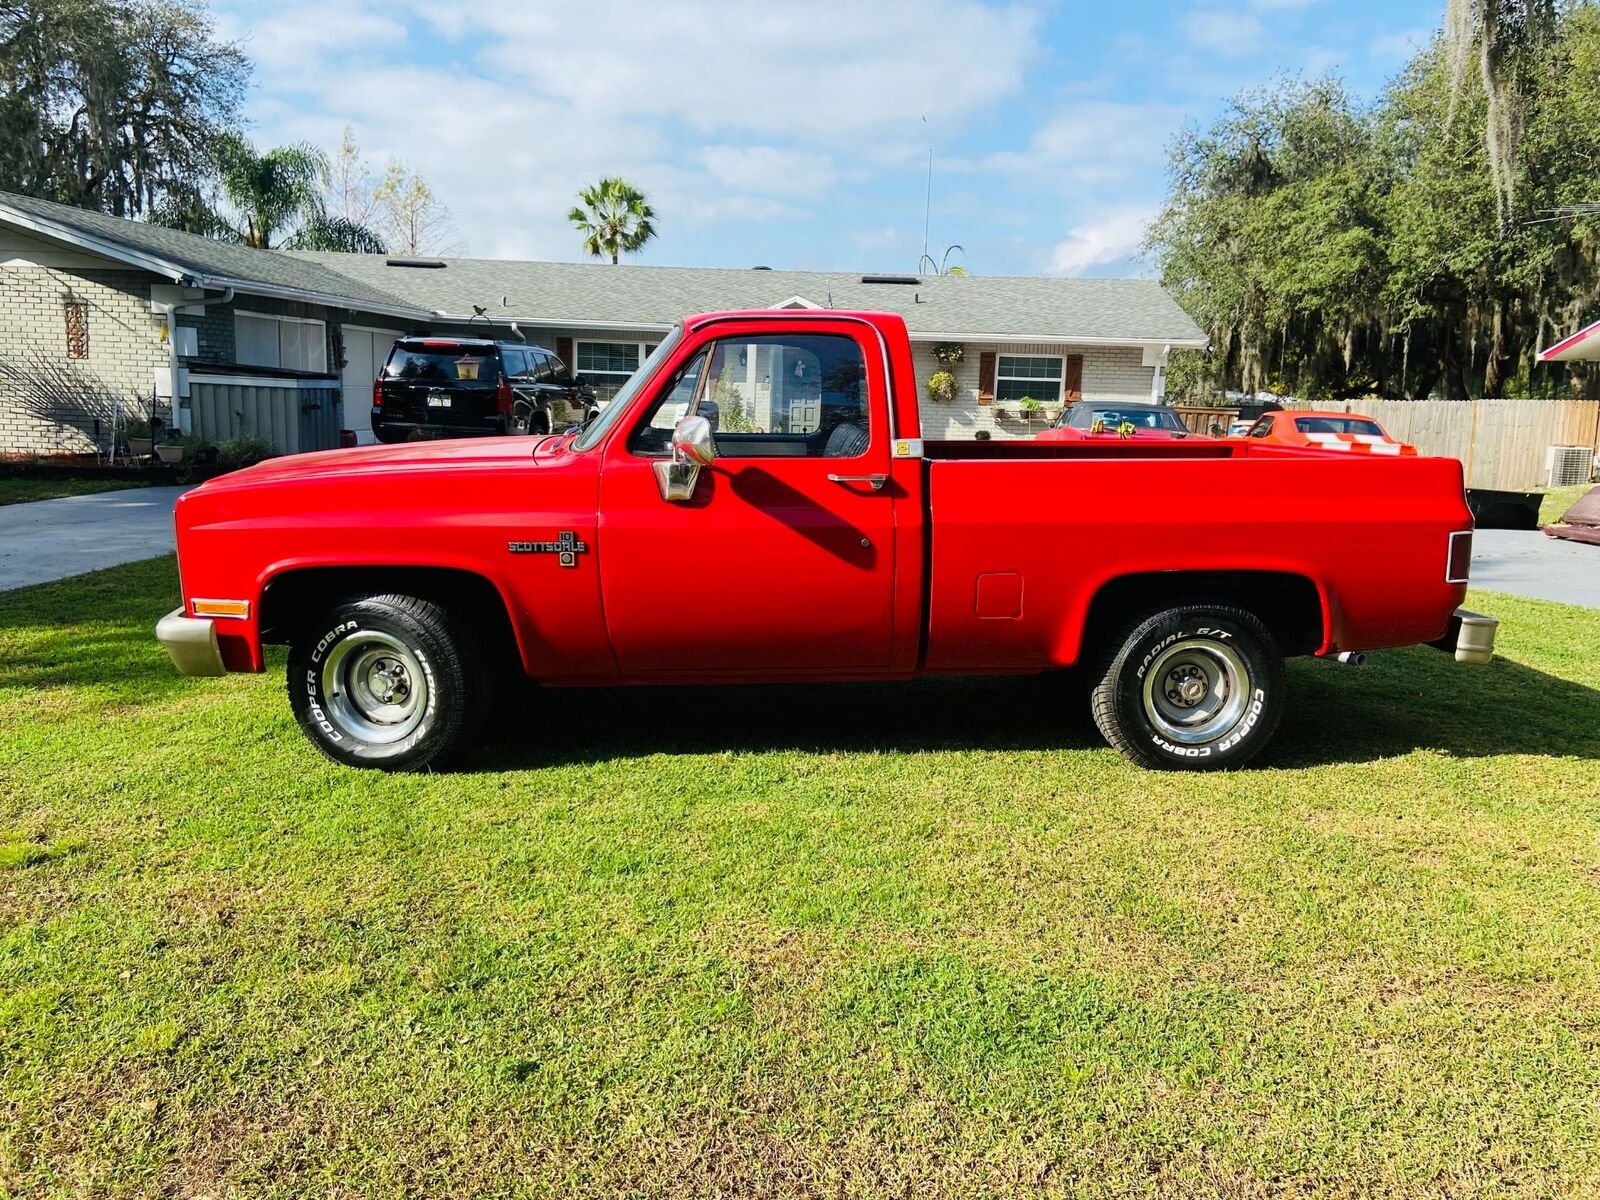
[(1083, 416), (612, 413)]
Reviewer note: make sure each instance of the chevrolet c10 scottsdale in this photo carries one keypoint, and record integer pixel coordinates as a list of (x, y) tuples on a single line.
[(757, 505)]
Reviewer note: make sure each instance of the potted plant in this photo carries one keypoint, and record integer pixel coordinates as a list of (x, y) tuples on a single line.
[(171, 451), (943, 387), (1029, 407), (949, 353), (141, 437)]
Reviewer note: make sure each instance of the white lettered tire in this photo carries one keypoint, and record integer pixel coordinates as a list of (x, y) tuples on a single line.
[(390, 682), (1192, 688)]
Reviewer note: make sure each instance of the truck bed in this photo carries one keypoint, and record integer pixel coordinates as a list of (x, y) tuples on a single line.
[(1024, 535)]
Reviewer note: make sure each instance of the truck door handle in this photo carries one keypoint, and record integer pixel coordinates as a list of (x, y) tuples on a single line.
[(877, 481)]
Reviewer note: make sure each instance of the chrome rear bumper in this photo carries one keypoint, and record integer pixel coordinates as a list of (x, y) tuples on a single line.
[(191, 643), (1470, 637)]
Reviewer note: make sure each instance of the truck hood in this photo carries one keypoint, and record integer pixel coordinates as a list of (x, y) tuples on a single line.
[(464, 452)]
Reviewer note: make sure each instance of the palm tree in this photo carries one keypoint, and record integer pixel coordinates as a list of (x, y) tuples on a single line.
[(614, 219), (273, 199)]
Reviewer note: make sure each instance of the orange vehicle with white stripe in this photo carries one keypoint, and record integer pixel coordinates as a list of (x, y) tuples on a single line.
[(1315, 430)]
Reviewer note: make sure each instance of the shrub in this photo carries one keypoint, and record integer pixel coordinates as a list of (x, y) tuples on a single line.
[(943, 387), (243, 451)]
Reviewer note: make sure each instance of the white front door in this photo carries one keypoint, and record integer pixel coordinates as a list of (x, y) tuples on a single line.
[(365, 351)]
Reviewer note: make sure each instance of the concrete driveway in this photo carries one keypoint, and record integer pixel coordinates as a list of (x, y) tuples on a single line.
[(51, 539), (1526, 563)]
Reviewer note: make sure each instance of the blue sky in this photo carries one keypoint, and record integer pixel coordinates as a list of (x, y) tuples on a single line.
[(795, 133)]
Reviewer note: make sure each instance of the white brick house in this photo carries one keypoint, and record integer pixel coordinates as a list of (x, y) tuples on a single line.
[(155, 313)]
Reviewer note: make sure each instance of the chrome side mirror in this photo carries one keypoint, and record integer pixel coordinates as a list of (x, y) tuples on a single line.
[(693, 440), (693, 446)]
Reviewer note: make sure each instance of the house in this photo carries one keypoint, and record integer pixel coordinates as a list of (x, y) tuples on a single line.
[(227, 340)]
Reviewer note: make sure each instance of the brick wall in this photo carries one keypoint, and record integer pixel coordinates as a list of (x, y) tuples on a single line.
[(214, 332), (1109, 373), (125, 344)]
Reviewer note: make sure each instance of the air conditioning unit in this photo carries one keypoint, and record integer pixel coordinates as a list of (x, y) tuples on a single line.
[(1567, 465)]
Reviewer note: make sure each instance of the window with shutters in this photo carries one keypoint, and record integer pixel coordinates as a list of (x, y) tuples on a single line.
[(1028, 377)]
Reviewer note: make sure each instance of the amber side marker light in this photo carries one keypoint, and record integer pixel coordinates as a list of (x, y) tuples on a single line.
[(221, 608)]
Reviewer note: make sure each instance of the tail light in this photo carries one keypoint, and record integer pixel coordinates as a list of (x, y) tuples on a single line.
[(1458, 565), (377, 393), (502, 396)]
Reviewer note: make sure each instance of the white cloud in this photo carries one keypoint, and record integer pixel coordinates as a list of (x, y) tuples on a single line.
[(1114, 238), (827, 67), (1089, 143), (1224, 31), (768, 169), (278, 40), (509, 110)]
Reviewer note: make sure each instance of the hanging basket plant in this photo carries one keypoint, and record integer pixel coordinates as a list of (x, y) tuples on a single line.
[(949, 353), (943, 387)]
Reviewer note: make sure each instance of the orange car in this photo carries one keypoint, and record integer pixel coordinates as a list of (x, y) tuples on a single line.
[(1326, 431)]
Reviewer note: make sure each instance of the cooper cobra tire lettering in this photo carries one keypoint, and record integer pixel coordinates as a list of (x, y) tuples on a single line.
[(1119, 696), (448, 658), (329, 638)]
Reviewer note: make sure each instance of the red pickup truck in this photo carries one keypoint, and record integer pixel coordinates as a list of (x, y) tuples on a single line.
[(757, 504)]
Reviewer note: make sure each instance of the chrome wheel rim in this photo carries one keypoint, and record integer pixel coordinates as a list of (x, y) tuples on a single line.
[(1196, 690), (374, 687)]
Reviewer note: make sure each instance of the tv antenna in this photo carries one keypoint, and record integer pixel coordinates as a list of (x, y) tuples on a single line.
[(927, 202)]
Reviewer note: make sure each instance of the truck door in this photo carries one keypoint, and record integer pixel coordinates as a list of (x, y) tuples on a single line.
[(782, 562)]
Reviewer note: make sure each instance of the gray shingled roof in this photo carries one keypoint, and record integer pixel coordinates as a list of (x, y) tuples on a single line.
[(631, 295), (1056, 309), (204, 258)]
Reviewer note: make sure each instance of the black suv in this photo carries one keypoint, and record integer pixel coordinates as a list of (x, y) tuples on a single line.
[(472, 387)]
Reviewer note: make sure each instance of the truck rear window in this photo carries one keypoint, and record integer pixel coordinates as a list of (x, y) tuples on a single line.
[(438, 364)]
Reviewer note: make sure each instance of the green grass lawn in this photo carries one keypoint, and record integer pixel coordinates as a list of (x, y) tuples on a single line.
[(924, 940), (1558, 500), (20, 491)]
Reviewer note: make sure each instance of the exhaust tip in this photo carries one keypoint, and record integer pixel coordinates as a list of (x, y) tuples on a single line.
[(1352, 658)]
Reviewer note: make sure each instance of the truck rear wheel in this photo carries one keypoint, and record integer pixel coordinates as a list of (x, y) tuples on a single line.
[(390, 682), (1192, 688)]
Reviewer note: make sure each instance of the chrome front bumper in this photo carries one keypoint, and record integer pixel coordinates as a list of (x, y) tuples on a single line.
[(1470, 637), (191, 643)]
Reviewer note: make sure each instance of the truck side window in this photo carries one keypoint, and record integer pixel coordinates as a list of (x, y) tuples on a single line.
[(654, 437), (772, 395)]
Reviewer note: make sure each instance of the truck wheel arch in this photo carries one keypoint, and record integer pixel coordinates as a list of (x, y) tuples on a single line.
[(1295, 607), (295, 595)]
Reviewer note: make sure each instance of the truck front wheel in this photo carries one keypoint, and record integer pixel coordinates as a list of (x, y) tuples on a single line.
[(1193, 688), (390, 682)]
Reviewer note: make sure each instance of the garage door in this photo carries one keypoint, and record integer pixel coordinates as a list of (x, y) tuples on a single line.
[(365, 351)]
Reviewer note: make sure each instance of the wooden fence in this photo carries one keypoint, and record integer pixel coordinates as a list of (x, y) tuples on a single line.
[(1501, 443)]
